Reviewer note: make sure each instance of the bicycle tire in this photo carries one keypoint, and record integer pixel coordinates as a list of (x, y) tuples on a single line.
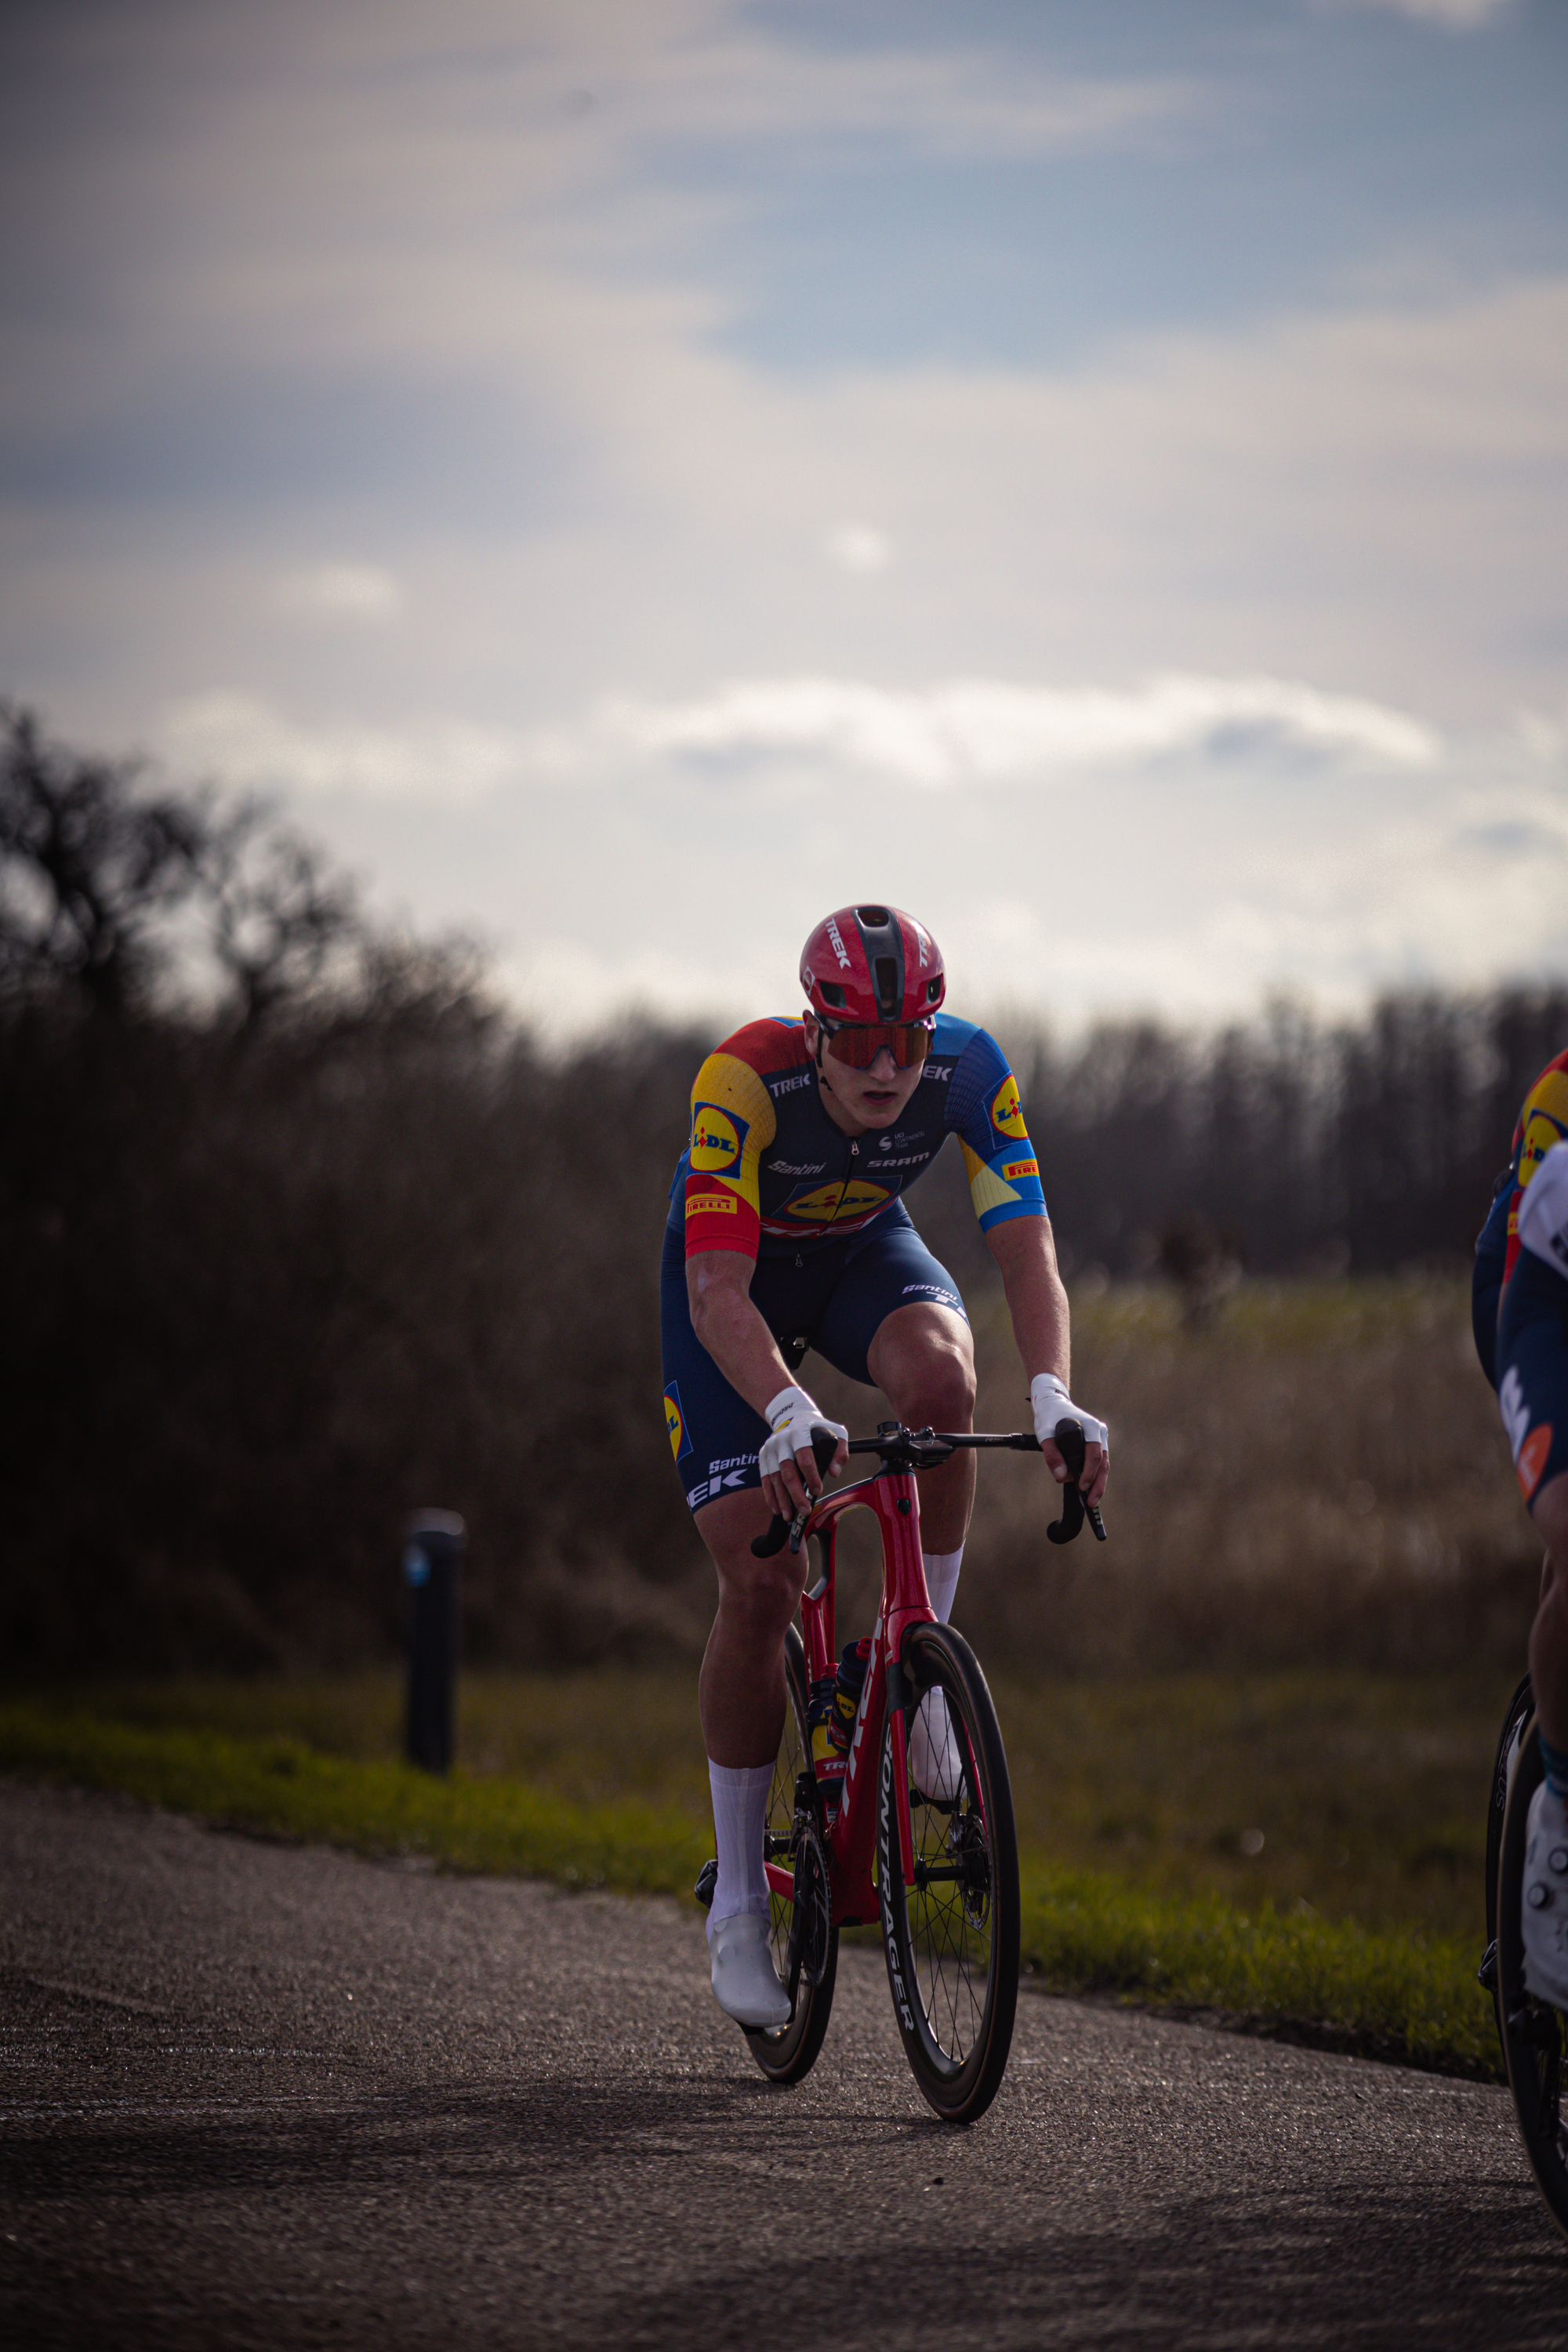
[(1532, 2030), (1519, 1707), (789, 2053), (951, 1943)]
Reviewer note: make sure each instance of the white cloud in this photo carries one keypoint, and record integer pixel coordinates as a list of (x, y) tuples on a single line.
[(251, 746), (859, 548), (982, 730), (341, 592), (1450, 16)]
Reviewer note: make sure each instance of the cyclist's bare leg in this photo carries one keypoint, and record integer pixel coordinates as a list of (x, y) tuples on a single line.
[(1549, 1635), (741, 1691), (922, 1360)]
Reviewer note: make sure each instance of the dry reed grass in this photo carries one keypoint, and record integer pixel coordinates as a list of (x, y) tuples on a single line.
[(1317, 1478)]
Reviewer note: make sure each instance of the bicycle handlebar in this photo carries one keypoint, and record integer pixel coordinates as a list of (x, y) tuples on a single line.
[(923, 1449)]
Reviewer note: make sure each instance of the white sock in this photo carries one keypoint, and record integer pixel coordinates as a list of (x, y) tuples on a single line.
[(740, 1818), (941, 1579)]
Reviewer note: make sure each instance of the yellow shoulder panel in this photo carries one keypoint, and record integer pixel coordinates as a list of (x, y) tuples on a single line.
[(730, 1084), (986, 1189)]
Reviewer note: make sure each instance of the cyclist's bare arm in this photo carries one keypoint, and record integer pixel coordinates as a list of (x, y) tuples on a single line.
[(1025, 1255), (718, 1291)]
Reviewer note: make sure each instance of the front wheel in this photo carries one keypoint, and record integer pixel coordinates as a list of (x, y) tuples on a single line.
[(1532, 2030), (949, 1929), (806, 1949)]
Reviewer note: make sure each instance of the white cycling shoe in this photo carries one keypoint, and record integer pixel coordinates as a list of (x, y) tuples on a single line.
[(936, 1759), (745, 1983), (1545, 1917)]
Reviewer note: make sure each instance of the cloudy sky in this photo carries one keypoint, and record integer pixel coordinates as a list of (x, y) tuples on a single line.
[(635, 474)]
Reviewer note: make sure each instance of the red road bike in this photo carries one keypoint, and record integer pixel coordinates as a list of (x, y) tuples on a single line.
[(936, 1865)]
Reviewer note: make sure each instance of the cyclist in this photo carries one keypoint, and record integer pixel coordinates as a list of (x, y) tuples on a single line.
[(1519, 1304), (787, 1231)]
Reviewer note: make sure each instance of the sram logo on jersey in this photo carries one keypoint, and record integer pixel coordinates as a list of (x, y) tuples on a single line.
[(717, 1137), (1006, 1115)]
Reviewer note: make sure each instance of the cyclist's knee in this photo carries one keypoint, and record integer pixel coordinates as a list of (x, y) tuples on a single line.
[(923, 1361), (763, 1593)]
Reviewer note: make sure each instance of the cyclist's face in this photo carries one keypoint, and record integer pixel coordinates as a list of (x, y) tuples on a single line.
[(862, 1099)]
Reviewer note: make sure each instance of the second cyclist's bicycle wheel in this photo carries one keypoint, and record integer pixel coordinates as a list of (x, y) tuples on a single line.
[(1514, 1726), (804, 1935), (1532, 2030), (950, 1931)]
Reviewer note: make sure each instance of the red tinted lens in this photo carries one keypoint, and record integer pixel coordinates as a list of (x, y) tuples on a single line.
[(908, 1041)]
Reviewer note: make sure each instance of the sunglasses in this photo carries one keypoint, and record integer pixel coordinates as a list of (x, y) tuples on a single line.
[(858, 1045)]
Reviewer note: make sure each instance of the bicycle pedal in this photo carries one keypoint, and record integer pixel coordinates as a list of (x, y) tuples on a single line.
[(706, 1884)]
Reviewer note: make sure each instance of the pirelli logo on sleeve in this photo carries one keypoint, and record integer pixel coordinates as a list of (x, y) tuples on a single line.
[(1013, 1168), (711, 1204)]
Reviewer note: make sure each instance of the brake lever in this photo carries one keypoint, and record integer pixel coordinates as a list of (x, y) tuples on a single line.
[(1068, 1439), (823, 1445)]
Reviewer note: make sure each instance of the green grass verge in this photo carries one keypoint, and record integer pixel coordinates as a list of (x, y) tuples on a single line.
[(283, 1788), (1387, 1994)]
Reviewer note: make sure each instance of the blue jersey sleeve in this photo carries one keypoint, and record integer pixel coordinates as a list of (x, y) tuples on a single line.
[(985, 1113)]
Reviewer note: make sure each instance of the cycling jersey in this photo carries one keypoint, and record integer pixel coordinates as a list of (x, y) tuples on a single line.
[(1542, 1121), (1532, 1332), (833, 1298), (767, 1173)]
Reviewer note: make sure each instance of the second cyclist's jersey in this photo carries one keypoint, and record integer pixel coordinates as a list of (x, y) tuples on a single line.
[(1542, 1121), (766, 1172)]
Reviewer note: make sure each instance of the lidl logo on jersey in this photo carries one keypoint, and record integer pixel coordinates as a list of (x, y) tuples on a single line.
[(1007, 1113), (679, 1443), (1541, 1131), (826, 1204), (717, 1137)]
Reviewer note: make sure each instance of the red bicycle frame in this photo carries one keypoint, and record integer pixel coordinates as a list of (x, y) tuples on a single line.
[(852, 1837)]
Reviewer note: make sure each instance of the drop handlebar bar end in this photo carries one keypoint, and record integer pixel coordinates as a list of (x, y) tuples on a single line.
[(823, 1445), (1068, 1437)]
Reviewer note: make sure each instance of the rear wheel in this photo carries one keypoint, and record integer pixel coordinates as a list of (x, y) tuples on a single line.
[(950, 1937), (1532, 2031), (804, 1935)]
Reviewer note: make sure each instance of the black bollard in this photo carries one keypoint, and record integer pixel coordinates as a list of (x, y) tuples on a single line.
[(431, 1559)]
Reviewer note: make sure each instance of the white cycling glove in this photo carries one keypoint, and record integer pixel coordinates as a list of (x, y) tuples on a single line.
[(792, 1416), (1052, 1403)]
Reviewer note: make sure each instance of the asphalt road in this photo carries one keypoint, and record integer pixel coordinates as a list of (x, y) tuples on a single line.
[(256, 2095)]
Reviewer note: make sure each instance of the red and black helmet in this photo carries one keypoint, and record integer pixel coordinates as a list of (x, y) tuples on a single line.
[(868, 964)]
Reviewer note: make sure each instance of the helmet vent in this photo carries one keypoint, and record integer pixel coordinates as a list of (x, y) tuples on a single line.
[(887, 972), (834, 993), (874, 917)]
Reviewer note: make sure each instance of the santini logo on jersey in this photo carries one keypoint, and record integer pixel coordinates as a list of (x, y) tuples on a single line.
[(789, 1168)]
